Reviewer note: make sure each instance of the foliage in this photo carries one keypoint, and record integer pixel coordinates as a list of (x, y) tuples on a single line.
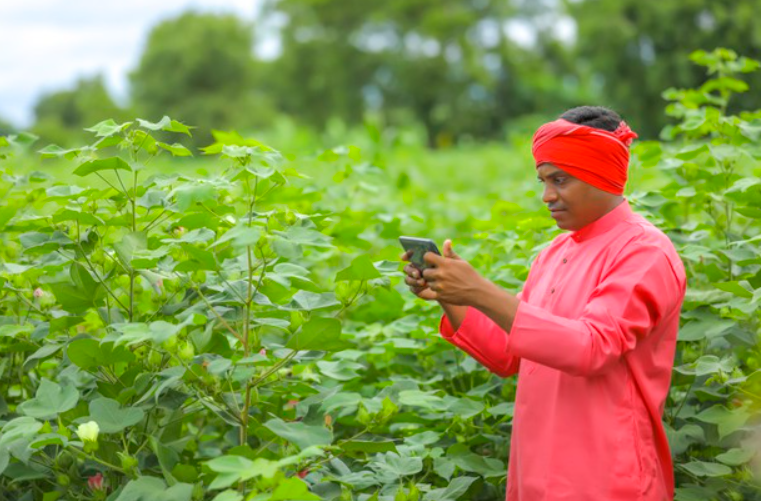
[(447, 65), (710, 207), (636, 49), (61, 116), (244, 333), (199, 68)]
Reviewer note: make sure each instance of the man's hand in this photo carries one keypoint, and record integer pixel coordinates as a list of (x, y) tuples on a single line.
[(414, 280), (452, 279)]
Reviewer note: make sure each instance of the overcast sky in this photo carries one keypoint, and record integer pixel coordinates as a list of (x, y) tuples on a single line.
[(46, 44)]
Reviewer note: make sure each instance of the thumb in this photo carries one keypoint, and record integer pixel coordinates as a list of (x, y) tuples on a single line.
[(448, 252)]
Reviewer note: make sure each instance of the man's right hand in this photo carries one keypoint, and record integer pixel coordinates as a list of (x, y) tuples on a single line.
[(415, 280)]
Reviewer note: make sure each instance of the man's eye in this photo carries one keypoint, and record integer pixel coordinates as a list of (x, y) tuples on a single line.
[(559, 180)]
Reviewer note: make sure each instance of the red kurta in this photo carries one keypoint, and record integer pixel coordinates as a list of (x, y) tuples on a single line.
[(593, 344)]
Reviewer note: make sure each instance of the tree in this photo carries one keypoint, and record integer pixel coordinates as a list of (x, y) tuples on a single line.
[(6, 127), (61, 116), (199, 68), (447, 64), (639, 48)]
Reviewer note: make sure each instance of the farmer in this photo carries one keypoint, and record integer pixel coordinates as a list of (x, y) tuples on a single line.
[(592, 334)]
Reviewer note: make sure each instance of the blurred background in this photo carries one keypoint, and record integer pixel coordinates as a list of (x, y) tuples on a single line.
[(444, 72)]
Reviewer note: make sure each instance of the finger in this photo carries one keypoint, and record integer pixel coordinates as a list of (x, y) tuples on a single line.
[(406, 255), (430, 274), (447, 250), (412, 271), (432, 258)]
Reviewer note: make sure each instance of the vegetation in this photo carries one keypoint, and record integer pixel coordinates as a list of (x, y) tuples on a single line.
[(245, 333)]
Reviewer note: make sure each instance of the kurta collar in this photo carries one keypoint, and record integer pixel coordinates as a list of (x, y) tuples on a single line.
[(603, 224)]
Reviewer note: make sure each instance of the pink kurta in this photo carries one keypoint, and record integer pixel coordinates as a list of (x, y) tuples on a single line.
[(593, 344)]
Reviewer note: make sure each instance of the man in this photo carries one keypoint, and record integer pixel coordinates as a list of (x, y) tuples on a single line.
[(592, 335)]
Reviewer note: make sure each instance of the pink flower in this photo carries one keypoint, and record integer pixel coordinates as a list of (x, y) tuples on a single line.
[(160, 283), (263, 352), (291, 403), (38, 292), (303, 473), (95, 483)]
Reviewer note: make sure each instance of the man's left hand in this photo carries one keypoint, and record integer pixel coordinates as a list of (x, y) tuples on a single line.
[(453, 279)]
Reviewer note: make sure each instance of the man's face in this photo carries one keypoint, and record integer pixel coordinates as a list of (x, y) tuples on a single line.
[(572, 202)]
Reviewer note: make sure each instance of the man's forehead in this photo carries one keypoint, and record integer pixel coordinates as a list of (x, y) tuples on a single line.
[(548, 170)]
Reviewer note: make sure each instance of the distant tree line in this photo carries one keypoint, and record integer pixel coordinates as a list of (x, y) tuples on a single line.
[(459, 68)]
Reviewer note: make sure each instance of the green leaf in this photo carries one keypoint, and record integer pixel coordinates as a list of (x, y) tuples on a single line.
[(111, 163), (304, 236), (50, 400), (6, 214), (293, 489), (74, 215), (342, 370), (108, 128), (300, 434), (133, 333), (728, 421), (706, 469), (735, 288), (453, 491), (189, 195), (176, 149), (361, 268), (309, 301), (154, 489), (425, 399), (129, 245), (736, 457), (395, 466), (230, 468), (369, 447), (466, 460), (111, 417), (166, 124), (241, 236), (316, 334), (71, 298), (695, 331), (228, 495)]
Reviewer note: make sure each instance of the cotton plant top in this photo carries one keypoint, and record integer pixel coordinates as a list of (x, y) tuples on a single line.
[(593, 345)]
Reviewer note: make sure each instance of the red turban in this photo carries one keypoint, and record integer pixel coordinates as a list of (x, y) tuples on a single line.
[(595, 156)]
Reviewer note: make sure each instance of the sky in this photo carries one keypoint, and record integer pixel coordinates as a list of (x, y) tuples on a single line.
[(46, 45)]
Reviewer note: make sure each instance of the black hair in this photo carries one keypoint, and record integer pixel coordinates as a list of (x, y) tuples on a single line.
[(593, 116)]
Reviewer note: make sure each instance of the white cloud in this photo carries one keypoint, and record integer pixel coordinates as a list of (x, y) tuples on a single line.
[(45, 45)]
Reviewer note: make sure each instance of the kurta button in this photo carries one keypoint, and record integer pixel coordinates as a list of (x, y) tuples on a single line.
[(552, 291), (565, 260)]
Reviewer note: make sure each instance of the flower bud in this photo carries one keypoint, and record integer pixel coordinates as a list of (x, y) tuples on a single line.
[(38, 292), (95, 482), (88, 432)]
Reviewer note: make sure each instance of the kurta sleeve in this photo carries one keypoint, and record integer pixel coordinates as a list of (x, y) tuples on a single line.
[(482, 339), (639, 289)]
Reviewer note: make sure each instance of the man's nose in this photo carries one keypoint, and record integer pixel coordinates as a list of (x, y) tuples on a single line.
[(549, 195)]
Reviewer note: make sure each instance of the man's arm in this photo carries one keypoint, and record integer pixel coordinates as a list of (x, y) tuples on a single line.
[(473, 332), (639, 290), (455, 313), (497, 304)]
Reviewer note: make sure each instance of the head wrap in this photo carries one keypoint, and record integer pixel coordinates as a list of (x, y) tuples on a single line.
[(597, 157)]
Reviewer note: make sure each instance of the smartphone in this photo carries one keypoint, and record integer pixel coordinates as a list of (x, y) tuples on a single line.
[(419, 247)]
